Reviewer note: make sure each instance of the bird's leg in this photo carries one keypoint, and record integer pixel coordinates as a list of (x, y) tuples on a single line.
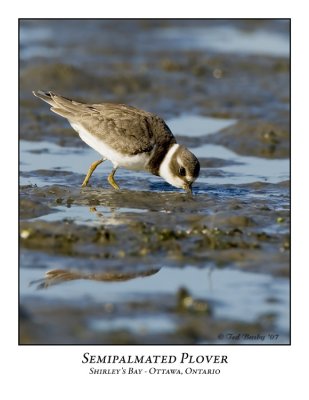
[(111, 179), (92, 167)]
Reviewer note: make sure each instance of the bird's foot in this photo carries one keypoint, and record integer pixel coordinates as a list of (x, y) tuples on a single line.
[(112, 182), (92, 167)]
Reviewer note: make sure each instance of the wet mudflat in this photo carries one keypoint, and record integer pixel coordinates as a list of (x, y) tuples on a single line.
[(148, 264)]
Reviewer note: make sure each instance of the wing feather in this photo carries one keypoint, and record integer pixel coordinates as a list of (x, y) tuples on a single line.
[(118, 125), (123, 127)]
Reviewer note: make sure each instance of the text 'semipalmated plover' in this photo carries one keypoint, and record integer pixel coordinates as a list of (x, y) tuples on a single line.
[(128, 137)]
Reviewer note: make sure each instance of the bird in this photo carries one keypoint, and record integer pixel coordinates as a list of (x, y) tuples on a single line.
[(129, 137)]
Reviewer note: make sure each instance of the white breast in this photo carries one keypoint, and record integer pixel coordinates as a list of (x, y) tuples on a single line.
[(136, 162)]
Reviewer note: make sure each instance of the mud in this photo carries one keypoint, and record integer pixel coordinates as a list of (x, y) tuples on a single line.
[(137, 266), (260, 139)]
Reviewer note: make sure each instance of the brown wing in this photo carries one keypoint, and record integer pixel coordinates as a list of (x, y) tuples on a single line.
[(119, 125)]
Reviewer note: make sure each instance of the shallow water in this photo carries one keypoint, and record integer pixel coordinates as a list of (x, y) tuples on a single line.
[(240, 296), (197, 125), (219, 39), (249, 169), (231, 40), (49, 156), (235, 295)]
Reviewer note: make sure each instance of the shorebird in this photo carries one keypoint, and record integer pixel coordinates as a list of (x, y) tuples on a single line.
[(128, 137)]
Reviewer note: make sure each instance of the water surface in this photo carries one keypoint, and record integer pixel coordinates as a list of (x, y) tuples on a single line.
[(148, 264)]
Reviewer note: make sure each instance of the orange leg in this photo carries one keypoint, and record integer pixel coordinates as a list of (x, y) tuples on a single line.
[(92, 167), (111, 179)]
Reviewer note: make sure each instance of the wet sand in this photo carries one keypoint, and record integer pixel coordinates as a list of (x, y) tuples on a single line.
[(148, 264)]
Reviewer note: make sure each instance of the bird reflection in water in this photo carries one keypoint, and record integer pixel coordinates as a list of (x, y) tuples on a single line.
[(57, 276)]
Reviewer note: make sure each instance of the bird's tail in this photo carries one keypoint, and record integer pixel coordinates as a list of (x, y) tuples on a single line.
[(45, 96), (63, 106)]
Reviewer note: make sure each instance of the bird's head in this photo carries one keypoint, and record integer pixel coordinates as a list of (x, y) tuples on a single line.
[(180, 167)]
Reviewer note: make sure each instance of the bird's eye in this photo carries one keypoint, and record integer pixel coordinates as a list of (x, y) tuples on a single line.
[(182, 171)]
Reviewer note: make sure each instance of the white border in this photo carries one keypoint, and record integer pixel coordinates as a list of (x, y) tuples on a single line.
[(55, 371)]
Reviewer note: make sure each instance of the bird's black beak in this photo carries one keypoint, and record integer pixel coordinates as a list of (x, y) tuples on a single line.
[(188, 188)]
